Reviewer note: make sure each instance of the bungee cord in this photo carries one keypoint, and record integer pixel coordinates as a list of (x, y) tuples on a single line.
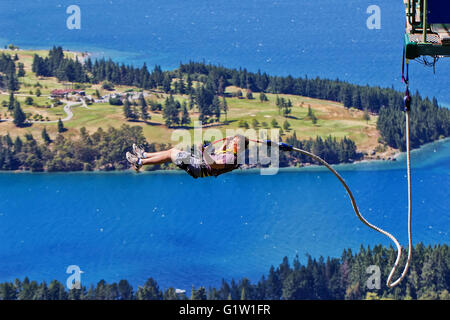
[(364, 220), (285, 147)]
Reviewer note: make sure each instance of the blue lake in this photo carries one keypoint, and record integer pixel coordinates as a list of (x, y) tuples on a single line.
[(183, 231)]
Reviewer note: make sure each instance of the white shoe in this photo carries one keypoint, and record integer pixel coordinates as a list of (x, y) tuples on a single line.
[(138, 151), (134, 161)]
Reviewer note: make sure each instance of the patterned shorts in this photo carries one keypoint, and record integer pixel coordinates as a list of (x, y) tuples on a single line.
[(193, 165)]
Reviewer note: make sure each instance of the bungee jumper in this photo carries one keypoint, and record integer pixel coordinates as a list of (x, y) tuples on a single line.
[(206, 163)]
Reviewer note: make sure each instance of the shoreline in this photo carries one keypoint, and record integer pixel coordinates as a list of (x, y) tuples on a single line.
[(399, 158)]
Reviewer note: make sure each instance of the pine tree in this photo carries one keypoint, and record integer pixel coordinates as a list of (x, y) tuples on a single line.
[(144, 108), (287, 107), (45, 136), (263, 97), (279, 103), (11, 101), (273, 285), (366, 116), (225, 108), (171, 111), (310, 112), (170, 294), (12, 82), (181, 87), (199, 294), (167, 84), (150, 291), (18, 144), (311, 115), (243, 294), (61, 128), (216, 108), (21, 71), (127, 110), (125, 290), (166, 112), (29, 101), (255, 124), (189, 84), (19, 115), (191, 101), (185, 119), (221, 87)]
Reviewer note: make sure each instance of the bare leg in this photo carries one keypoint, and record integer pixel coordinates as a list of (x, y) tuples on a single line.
[(148, 155), (160, 157)]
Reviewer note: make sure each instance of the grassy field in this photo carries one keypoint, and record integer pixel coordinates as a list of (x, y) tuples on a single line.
[(333, 118)]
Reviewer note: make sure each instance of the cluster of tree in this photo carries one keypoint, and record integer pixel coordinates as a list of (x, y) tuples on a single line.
[(210, 107), (284, 106), (136, 110), (208, 104), (263, 97), (325, 279), (121, 74), (9, 80), (180, 87), (360, 97), (429, 122), (102, 150), (311, 115), (330, 149), (14, 108), (175, 113), (256, 125), (67, 69), (57, 65)]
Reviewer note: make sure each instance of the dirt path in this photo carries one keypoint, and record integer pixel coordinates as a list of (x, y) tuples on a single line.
[(67, 110)]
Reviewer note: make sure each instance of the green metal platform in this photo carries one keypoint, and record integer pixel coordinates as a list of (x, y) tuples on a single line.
[(427, 28), (414, 48)]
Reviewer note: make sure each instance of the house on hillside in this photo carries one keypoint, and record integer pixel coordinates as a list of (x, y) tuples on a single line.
[(70, 94)]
